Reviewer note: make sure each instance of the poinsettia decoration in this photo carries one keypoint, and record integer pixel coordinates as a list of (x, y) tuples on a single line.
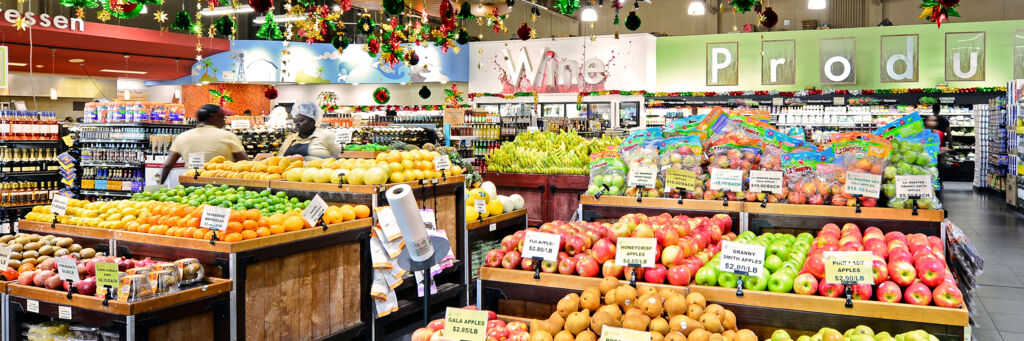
[(453, 96), (381, 95), (939, 11), (495, 20), (319, 19), (221, 96)]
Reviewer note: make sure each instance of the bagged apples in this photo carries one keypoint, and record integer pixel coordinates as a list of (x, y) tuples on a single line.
[(809, 177), (608, 173), (733, 150), (640, 150), (858, 152), (684, 153)]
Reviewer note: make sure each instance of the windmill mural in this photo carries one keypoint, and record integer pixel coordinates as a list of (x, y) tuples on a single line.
[(238, 62)]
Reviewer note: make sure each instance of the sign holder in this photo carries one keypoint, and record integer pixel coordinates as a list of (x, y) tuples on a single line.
[(856, 198), (536, 268), (849, 295), (639, 194), (108, 295), (632, 277), (601, 192), (913, 199), (764, 203), (739, 282), (680, 189), (71, 288)]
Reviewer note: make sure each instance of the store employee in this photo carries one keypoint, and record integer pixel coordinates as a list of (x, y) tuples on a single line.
[(309, 141), (209, 138)]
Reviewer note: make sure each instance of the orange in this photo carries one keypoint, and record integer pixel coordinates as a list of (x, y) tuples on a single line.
[(236, 216), (144, 228), (193, 222), (189, 232), (178, 211), (332, 216), (293, 223), (264, 222), (153, 229), (249, 234), (277, 229), (199, 233), (347, 213), (250, 225), (171, 231), (173, 221), (233, 237), (362, 211), (183, 222), (131, 226), (143, 219), (180, 232), (276, 219), (234, 226), (262, 232), (208, 235), (252, 214), (26, 267)]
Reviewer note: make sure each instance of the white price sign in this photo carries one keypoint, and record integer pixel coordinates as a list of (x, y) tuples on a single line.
[(765, 181), (442, 162), (609, 333), (32, 306), (642, 177), (59, 205), (215, 218), (480, 205), (540, 244), (5, 255), (636, 251), (914, 185), (848, 267), (64, 312), (196, 160), (315, 210), (865, 184), (743, 259), (726, 179), (343, 137), (67, 268), (240, 124)]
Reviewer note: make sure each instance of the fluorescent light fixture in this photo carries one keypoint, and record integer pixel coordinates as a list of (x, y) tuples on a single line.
[(16, 64), (815, 4), (124, 71), (696, 8), (279, 19), (226, 10), (589, 14), (127, 94), (53, 93), (76, 60)]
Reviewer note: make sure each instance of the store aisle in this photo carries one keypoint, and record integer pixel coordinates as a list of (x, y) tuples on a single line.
[(998, 233)]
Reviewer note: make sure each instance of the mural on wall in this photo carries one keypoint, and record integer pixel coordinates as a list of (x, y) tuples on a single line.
[(568, 65), (269, 61), (243, 97)]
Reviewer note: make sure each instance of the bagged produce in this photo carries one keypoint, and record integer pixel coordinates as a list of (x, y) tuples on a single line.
[(809, 177), (776, 144), (189, 271), (607, 174), (684, 153), (910, 156), (688, 126), (644, 158), (737, 151), (861, 153)]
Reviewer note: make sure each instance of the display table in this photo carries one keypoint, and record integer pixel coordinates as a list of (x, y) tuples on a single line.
[(492, 228), (548, 197), (198, 312)]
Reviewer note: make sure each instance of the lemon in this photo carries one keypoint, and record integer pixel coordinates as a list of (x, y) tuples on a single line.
[(494, 207), (471, 214)]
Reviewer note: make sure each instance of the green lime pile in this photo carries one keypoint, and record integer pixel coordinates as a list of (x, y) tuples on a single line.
[(369, 147), (237, 198)]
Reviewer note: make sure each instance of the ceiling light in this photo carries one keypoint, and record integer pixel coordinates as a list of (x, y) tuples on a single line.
[(225, 10), (696, 8), (16, 64), (124, 71), (816, 4), (53, 93), (76, 60), (279, 19), (589, 14)]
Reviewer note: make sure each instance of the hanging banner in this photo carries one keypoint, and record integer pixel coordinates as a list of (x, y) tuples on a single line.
[(778, 62), (837, 60), (965, 56), (722, 67), (899, 58)]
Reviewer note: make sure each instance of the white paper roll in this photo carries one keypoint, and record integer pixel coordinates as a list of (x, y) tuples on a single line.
[(403, 205)]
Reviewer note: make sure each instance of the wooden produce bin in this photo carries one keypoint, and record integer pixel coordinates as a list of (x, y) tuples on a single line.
[(356, 154), (492, 229), (613, 207), (810, 218), (197, 312), (548, 197)]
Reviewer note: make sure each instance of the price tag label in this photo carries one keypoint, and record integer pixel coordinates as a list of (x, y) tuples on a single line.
[(442, 162), (680, 178), (480, 205), (622, 334), (532, 129), (765, 181), (32, 306), (67, 140), (465, 324), (343, 137), (5, 256), (59, 205), (540, 244), (743, 259), (726, 179), (107, 274), (865, 184), (196, 160), (67, 268), (240, 124), (64, 312), (215, 218), (314, 211), (848, 267), (838, 101), (913, 185), (777, 101), (642, 177), (493, 227), (640, 251)]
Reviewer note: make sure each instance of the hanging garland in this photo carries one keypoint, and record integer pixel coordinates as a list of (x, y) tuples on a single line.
[(319, 19), (80, 3), (381, 95), (938, 11), (365, 24), (269, 30), (122, 9), (261, 6), (424, 92), (632, 21), (393, 7), (567, 7), (453, 96), (225, 26), (183, 22), (270, 93), (327, 100), (495, 21)]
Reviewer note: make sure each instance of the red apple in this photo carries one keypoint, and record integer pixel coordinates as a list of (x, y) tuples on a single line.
[(895, 235), (724, 221), (422, 334), (830, 290), (574, 245), (608, 268), (880, 269), (656, 274), (436, 325), (517, 326), (548, 266), (917, 293), (511, 260), (643, 230), (567, 266), (900, 255), (890, 292), (947, 295), (672, 256), (679, 275), (497, 334), (493, 258), (509, 243), (528, 264), (830, 227), (815, 265), (603, 250), (518, 335), (931, 271), (862, 292), (586, 266), (805, 284), (902, 272)]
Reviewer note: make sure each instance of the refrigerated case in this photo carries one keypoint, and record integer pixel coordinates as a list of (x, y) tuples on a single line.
[(629, 114)]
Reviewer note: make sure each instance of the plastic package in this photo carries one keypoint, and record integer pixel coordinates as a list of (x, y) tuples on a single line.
[(682, 153), (645, 156), (733, 151), (163, 281), (47, 328), (83, 332), (858, 152), (608, 173), (809, 177), (189, 271), (134, 287), (171, 268)]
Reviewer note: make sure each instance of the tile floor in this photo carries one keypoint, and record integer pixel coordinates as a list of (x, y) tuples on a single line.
[(998, 233)]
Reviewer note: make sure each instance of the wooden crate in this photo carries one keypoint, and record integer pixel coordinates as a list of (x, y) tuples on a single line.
[(190, 328)]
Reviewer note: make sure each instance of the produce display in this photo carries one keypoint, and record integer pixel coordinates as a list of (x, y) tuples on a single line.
[(368, 147), (858, 333), (548, 153), (142, 278), (30, 250), (394, 166), (496, 329), (61, 330), (588, 249), (492, 203), (914, 152), (784, 257)]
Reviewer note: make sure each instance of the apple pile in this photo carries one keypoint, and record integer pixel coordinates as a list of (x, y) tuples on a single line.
[(858, 333), (497, 330), (908, 268), (784, 256), (588, 249)]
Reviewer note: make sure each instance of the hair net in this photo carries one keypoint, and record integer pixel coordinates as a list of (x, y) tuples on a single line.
[(308, 109)]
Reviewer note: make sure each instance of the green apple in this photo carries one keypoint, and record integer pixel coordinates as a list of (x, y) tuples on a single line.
[(759, 283), (772, 263), (780, 335), (726, 279), (859, 337), (803, 338), (883, 336), (863, 330), (781, 282), (779, 248), (707, 275)]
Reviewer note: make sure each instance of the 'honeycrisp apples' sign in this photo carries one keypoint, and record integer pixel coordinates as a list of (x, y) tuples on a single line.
[(848, 267), (743, 259), (636, 251)]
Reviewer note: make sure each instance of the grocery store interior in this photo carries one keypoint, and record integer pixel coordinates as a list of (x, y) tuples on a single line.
[(511, 170)]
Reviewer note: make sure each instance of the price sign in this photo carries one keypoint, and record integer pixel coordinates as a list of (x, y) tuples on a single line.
[(442, 162), (315, 210), (465, 324), (838, 101), (343, 137), (59, 205), (215, 218), (5, 256), (67, 269), (680, 178), (64, 312), (642, 177), (107, 274), (196, 160), (240, 124), (865, 184), (848, 267), (32, 306), (777, 101), (67, 140), (532, 129), (540, 244), (726, 179), (765, 181), (480, 205), (743, 259), (914, 185), (640, 251), (609, 333)]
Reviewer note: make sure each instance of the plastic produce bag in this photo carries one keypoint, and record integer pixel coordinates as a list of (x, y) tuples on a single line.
[(733, 151), (858, 152), (645, 156), (607, 174), (809, 177), (684, 153)]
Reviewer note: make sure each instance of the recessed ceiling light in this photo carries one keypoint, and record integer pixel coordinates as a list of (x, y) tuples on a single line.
[(39, 66), (16, 64), (124, 71), (76, 60)]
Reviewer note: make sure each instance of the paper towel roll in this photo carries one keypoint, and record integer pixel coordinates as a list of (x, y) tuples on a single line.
[(403, 205)]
